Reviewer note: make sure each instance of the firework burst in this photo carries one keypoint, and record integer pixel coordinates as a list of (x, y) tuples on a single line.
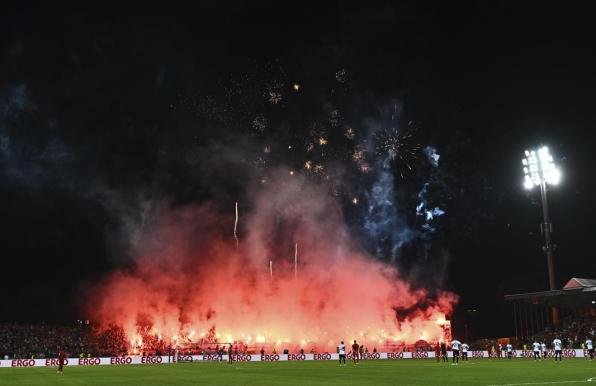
[(397, 148)]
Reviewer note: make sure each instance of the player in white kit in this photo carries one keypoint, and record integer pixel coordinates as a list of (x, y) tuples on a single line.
[(464, 351), (590, 347), (455, 345), (557, 344), (536, 349), (509, 349), (544, 350), (341, 349)]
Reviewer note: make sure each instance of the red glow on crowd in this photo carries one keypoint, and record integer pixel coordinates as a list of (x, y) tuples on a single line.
[(192, 283)]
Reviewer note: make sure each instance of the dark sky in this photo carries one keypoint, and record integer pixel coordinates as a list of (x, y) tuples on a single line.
[(98, 103)]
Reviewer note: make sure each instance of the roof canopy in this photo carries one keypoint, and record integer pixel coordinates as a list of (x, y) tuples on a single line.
[(577, 291), (575, 283)]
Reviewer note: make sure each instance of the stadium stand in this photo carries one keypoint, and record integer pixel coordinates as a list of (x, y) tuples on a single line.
[(576, 302)]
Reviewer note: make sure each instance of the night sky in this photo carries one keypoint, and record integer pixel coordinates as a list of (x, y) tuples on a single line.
[(104, 108)]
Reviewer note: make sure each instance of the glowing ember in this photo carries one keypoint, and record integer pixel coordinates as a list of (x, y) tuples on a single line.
[(364, 167), (190, 277)]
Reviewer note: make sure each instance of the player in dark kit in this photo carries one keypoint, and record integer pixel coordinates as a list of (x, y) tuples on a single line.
[(355, 352), (444, 351), (61, 358), (230, 352)]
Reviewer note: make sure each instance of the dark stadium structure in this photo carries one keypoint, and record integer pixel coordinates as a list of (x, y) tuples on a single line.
[(531, 315)]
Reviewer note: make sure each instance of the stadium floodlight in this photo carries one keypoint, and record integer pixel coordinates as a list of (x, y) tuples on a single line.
[(540, 170), (539, 167)]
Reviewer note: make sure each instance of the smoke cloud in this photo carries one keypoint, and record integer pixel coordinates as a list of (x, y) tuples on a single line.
[(190, 280)]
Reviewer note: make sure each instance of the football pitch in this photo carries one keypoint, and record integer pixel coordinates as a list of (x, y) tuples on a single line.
[(520, 372)]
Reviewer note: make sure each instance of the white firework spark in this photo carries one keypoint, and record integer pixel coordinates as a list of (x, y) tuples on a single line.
[(397, 147), (274, 97)]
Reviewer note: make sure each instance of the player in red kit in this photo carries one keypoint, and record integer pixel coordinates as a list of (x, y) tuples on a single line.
[(355, 352), (61, 358)]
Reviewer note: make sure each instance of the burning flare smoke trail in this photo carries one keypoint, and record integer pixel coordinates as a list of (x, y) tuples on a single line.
[(189, 284), (296, 260), (236, 226)]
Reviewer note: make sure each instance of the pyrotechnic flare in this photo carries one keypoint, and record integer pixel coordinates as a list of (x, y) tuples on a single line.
[(271, 270), (296, 260), (236, 226)]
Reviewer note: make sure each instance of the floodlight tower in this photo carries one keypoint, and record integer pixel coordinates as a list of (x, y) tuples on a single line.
[(540, 170)]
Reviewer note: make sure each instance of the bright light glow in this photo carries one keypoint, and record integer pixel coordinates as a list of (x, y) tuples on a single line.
[(539, 166)]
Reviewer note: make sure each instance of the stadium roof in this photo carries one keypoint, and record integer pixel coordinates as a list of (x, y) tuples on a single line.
[(576, 283), (576, 289)]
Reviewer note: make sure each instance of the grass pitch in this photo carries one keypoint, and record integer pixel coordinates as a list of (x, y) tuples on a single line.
[(522, 372)]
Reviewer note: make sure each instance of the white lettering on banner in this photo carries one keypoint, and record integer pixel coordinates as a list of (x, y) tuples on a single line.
[(322, 357), (420, 355)]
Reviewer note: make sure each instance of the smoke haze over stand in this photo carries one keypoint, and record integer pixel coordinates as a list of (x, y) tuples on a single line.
[(189, 277)]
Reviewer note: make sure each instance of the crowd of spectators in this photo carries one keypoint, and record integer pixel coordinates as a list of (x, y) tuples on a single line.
[(45, 341), (41, 341), (573, 331)]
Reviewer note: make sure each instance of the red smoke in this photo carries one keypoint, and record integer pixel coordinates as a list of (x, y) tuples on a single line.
[(190, 276)]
